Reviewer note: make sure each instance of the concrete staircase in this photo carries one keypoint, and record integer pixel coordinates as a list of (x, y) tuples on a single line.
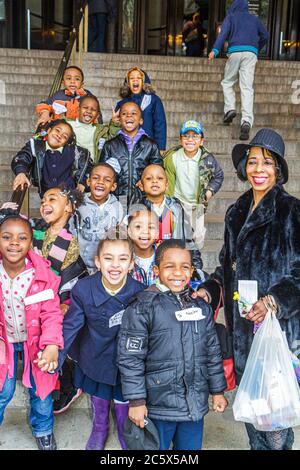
[(189, 88)]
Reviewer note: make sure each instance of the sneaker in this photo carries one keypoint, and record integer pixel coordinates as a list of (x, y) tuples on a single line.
[(66, 400), (229, 116), (46, 442), (245, 131)]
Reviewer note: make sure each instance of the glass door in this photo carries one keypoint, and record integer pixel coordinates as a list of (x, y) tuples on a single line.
[(289, 43)]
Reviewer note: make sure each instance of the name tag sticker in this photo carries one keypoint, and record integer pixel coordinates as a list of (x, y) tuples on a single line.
[(47, 294), (189, 314), (116, 319)]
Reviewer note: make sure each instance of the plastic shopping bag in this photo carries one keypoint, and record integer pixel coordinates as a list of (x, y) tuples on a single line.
[(268, 396)]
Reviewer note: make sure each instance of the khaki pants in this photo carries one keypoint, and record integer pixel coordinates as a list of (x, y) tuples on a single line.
[(240, 65), (194, 214)]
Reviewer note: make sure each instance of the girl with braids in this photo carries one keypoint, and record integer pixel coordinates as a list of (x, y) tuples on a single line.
[(53, 240), (30, 324)]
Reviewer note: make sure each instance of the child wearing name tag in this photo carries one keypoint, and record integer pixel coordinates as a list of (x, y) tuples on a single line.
[(91, 329), (169, 354), (30, 325)]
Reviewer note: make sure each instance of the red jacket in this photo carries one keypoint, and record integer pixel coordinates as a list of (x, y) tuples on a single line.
[(43, 323)]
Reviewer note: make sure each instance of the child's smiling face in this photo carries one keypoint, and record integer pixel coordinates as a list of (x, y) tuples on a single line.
[(15, 241), (154, 180), (72, 80), (175, 269), (191, 142), (135, 82), (114, 262), (59, 136), (88, 111), (101, 183), (143, 230), (130, 118), (55, 206)]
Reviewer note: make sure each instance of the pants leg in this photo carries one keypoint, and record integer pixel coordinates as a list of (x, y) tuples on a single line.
[(166, 431), (195, 218), (9, 387), (97, 32), (247, 71), (41, 412), (273, 440), (231, 76), (188, 435)]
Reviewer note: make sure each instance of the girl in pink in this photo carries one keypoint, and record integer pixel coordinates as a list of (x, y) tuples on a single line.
[(30, 325)]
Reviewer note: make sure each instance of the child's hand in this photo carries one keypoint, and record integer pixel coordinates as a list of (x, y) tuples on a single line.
[(47, 360), (219, 403), (20, 180), (137, 414), (10, 205), (139, 185), (202, 294), (64, 308), (80, 187), (44, 117), (162, 153), (211, 55), (115, 116), (208, 195)]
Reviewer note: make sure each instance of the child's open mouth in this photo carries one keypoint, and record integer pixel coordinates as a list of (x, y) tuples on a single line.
[(115, 274), (47, 211), (99, 190)]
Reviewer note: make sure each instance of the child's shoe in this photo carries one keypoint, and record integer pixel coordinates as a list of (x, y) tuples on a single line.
[(100, 428), (65, 400), (46, 442)]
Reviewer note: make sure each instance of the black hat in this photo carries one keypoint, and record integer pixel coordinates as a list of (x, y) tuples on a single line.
[(267, 139), (137, 438)]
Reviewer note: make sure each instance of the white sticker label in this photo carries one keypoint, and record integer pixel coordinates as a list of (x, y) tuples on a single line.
[(146, 101), (47, 294), (116, 319), (59, 108), (115, 164), (189, 314)]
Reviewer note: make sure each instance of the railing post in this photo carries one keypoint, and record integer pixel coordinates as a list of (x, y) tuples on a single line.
[(86, 28), (25, 205), (28, 30), (80, 41)]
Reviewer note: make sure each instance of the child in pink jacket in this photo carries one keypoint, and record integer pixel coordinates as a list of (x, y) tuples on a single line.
[(30, 325)]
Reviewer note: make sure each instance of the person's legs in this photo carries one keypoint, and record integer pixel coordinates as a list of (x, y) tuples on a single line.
[(231, 75), (188, 435), (166, 431), (97, 32), (92, 32), (280, 440), (257, 439), (67, 393), (41, 413), (9, 387), (121, 412), (100, 429), (246, 72)]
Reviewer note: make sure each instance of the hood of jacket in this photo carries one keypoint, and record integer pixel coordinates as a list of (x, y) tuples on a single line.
[(238, 6)]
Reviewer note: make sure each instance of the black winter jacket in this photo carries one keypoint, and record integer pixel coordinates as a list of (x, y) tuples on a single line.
[(30, 160), (132, 165), (265, 247), (172, 364)]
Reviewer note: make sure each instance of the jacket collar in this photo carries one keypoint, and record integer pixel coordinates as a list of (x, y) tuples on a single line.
[(100, 295), (236, 219), (40, 265)]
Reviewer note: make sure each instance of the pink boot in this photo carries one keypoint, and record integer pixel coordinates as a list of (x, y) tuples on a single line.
[(121, 410), (100, 428)]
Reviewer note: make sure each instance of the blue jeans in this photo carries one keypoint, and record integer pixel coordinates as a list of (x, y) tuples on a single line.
[(41, 411), (185, 435), (97, 32)]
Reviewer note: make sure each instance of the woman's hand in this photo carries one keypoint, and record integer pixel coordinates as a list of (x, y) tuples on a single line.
[(47, 360), (258, 312), (219, 403), (20, 180), (137, 414)]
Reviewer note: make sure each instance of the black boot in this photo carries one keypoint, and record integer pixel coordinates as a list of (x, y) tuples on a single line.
[(46, 442), (229, 116), (245, 131)]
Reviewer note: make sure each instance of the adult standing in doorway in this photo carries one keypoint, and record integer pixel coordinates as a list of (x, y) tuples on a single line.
[(100, 13), (246, 36)]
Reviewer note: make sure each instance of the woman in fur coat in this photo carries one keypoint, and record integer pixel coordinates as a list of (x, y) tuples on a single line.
[(261, 243)]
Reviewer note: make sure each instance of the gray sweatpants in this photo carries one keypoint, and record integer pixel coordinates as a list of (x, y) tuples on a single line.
[(240, 65)]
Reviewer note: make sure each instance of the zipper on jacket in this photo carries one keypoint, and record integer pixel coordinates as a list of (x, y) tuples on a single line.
[(130, 176), (84, 168), (16, 329)]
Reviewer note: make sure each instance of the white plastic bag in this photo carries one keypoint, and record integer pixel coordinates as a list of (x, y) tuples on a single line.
[(268, 396)]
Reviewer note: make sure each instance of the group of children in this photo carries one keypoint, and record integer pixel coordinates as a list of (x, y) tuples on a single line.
[(96, 294)]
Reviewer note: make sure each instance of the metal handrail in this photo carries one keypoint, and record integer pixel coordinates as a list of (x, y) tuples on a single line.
[(19, 194)]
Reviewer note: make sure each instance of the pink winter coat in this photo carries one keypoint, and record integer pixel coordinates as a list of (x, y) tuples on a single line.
[(43, 323)]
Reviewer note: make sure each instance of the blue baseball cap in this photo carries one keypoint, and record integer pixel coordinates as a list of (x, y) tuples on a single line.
[(191, 126)]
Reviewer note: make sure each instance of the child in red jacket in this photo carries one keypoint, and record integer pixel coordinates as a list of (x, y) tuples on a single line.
[(30, 325)]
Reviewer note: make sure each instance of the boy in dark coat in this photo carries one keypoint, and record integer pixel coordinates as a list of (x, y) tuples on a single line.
[(169, 354), (130, 152)]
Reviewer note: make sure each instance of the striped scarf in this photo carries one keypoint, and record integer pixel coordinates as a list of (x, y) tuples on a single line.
[(58, 250)]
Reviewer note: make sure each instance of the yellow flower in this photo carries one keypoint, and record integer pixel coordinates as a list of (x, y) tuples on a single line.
[(236, 296)]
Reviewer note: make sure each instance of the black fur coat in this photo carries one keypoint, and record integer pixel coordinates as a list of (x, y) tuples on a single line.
[(263, 247)]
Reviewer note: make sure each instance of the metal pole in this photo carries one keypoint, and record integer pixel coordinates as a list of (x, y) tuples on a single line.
[(28, 30)]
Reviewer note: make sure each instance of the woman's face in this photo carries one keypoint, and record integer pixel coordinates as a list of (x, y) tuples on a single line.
[(260, 170)]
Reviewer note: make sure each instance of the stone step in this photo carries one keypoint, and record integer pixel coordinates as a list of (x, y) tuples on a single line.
[(34, 53)]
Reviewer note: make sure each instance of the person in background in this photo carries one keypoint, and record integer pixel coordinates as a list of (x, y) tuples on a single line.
[(100, 13), (246, 36), (193, 36)]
